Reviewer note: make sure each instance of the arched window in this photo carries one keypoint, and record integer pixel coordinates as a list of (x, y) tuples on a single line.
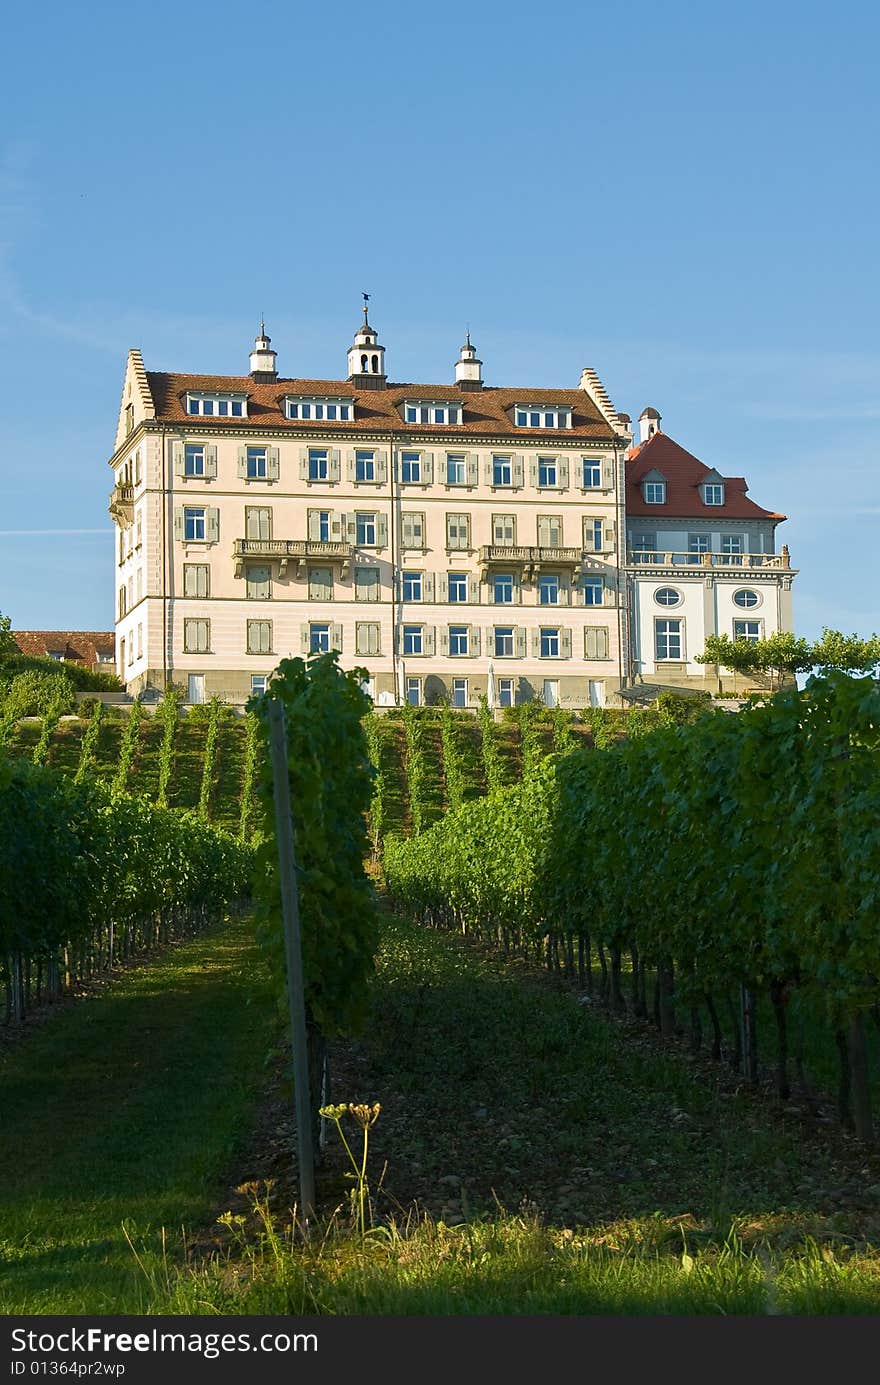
[(376, 364), (365, 363)]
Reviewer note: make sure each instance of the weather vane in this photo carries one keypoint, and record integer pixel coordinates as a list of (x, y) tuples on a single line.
[(366, 298)]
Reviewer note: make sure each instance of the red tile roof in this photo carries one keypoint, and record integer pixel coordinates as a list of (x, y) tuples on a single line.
[(77, 646), (483, 411), (683, 474)]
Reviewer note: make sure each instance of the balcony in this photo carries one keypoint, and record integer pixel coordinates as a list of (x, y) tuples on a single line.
[(300, 551), (529, 561), (642, 557), (121, 505)]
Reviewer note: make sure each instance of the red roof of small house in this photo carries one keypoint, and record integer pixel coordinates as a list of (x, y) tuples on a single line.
[(75, 646), (683, 474)]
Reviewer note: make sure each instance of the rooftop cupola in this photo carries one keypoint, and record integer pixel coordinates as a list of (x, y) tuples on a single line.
[(649, 424), (468, 368), (262, 369), (366, 358)]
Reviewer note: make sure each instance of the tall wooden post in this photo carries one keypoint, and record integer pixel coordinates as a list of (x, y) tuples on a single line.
[(293, 953)]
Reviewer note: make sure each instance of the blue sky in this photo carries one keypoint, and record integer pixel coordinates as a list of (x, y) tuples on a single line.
[(684, 197)]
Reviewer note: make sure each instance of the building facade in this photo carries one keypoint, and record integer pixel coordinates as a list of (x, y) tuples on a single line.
[(455, 540), (701, 560)]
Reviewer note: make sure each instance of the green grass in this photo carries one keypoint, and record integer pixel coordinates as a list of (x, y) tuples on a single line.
[(126, 1108), (535, 1156)]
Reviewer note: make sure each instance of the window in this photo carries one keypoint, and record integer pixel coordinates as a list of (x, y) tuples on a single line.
[(549, 531), (732, 546), (594, 591), (747, 630), (412, 586), (256, 463), (319, 525), (258, 522), (259, 585), (698, 544), (412, 527), (129, 418), (644, 546), (542, 416), (746, 599), (320, 584), (259, 637), (194, 523), (366, 584), (414, 692), (713, 493), (505, 692), (592, 473), (458, 639), (547, 471), (668, 643), (413, 639), (364, 466), (456, 469), (418, 411), (308, 408), (458, 531), (504, 530), (319, 638), (654, 492), (410, 468), (551, 692), (549, 642), (366, 637), (196, 580), (259, 682), (502, 471), (502, 588), (459, 692), (217, 405), (457, 586), (319, 469), (196, 636), (548, 590), (503, 641), (121, 605), (365, 529), (194, 459), (596, 642), (593, 538), (667, 596)]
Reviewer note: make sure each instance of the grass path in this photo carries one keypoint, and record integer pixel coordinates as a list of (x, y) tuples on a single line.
[(126, 1108)]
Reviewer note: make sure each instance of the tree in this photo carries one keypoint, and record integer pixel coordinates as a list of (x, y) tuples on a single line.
[(784, 653), (7, 639)]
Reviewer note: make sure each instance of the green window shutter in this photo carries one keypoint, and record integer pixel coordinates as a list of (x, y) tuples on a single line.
[(242, 462), (430, 641), (382, 469), (565, 643), (336, 637), (350, 465), (536, 644), (609, 532), (533, 472), (428, 467), (304, 639), (333, 464), (350, 522), (212, 524), (474, 590), (444, 639), (474, 640), (382, 531), (443, 584), (178, 523), (519, 470), (603, 642), (377, 639), (177, 462), (428, 586), (211, 459), (488, 471), (304, 464), (314, 525), (521, 641), (338, 525), (273, 464), (472, 470), (563, 473), (608, 474)]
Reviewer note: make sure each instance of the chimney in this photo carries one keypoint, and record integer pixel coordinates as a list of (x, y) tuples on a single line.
[(627, 425), (649, 424)]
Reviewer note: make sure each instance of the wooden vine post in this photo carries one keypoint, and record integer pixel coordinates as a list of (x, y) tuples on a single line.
[(293, 954)]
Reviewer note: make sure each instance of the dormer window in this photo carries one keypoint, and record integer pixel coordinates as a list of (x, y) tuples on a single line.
[(713, 493), (421, 411), (654, 492), (315, 410), (216, 405), (542, 416)]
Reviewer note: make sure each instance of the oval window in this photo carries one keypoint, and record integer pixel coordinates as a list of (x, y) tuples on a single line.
[(746, 599), (667, 596)]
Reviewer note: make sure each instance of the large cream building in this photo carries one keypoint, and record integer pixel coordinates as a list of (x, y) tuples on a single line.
[(453, 540)]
